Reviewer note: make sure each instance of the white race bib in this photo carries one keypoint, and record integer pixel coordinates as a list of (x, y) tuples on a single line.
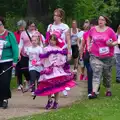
[(1, 47), (104, 50)]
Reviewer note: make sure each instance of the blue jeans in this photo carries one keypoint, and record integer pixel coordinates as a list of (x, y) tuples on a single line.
[(117, 67), (90, 75)]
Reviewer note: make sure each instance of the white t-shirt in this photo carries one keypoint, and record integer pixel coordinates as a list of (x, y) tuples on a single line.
[(33, 53), (116, 48), (61, 27), (80, 34)]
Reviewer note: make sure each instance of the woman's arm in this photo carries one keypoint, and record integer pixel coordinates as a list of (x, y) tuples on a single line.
[(67, 34), (82, 46), (14, 46)]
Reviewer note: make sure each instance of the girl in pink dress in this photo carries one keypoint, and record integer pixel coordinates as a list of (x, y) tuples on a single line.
[(56, 75)]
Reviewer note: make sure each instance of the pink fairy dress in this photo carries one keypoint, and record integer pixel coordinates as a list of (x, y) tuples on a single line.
[(56, 75)]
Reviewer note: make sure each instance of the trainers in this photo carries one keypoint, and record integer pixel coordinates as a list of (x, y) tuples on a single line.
[(93, 96), (108, 93), (19, 87), (81, 77), (53, 96), (5, 104), (49, 104), (86, 78), (65, 93), (55, 105), (32, 93)]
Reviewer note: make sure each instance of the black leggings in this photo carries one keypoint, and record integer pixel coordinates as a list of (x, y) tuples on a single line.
[(5, 80), (34, 76), (19, 69)]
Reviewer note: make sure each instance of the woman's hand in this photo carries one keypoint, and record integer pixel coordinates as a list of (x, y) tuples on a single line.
[(68, 57), (14, 65), (109, 43)]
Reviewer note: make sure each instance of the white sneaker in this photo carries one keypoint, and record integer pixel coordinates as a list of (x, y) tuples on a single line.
[(89, 95), (19, 87), (52, 95), (65, 93), (33, 94)]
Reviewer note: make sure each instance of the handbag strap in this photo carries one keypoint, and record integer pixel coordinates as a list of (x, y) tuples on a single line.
[(28, 35)]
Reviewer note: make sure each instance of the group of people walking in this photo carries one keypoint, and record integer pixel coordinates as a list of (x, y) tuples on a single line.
[(44, 61)]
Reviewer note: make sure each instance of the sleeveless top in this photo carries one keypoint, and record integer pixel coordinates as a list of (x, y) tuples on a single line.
[(74, 37)]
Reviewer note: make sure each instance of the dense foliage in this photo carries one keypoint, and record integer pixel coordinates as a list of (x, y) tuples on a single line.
[(42, 10)]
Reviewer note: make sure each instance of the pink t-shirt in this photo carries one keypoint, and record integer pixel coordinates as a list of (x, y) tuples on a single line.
[(98, 46), (85, 37)]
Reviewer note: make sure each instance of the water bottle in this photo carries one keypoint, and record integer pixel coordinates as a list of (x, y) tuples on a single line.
[(81, 62), (13, 72)]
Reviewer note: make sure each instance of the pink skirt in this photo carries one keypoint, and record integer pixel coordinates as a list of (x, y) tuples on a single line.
[(54, 85)]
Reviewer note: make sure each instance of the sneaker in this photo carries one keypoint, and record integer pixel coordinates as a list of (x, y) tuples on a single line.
[(53, 96), (5, 104), (49, 104), (27, 86), (86, 78), (93, 96), (32, 93), (108, 93), (89, 95), (19, 87), (55, 105), (65, 93), (81, 77)]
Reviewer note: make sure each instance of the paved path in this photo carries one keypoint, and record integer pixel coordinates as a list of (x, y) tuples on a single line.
[(23, 104)]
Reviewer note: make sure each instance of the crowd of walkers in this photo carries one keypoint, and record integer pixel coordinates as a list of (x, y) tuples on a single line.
[(44, 61)]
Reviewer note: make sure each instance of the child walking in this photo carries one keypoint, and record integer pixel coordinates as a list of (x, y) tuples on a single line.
[(34, 61), (56, 75)]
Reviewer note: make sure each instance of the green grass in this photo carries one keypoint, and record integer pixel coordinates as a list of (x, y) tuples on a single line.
[(103, 108), (13, 83)]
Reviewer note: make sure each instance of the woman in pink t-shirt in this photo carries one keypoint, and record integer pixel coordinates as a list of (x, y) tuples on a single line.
[(101, 47), (25, 43)]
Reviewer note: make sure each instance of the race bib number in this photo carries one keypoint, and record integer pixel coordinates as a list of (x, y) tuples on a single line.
[(104, 50), (2, 43)]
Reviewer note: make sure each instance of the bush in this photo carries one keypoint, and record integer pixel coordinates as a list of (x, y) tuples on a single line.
[(11, 21)]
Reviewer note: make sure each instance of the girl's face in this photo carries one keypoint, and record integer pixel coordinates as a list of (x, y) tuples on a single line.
[(53, 42), (57, 17), (101, 21), (35, 41), (32, 27)]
